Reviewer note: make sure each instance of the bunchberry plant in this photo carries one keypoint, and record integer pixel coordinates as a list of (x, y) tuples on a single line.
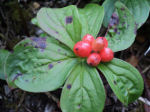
[(98, 44), (106, 54), (95, 50), (82, 49), (88, 38), (105, 41), (41, 64), (93, 59)]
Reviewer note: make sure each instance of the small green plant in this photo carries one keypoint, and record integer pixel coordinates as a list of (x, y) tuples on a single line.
[(41, 64)]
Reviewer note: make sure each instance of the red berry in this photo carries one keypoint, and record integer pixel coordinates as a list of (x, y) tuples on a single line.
[(105, 41), (106, 55), (82, 49), (98, 44), (88, 38), (94, 59)]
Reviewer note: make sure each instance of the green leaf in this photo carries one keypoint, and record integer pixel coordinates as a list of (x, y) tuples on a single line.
[(83, 91), (140, 10), (63, 24), (39, 64), (109, 8), (148, 2), (34, 21), (125, 81), (122, 31), (94, 20), (68, 25), (3, 56)]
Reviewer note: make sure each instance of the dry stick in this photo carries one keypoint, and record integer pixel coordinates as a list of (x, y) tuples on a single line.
[(8, 25), (78, 2), (144, 100), (107, 30), (27, 109), (146, 69), (131, 50), (4, 17), (123, 109), (147, 51), (54, 98), (141, 49), (2, 36), (21, 101), (1, 29), (145, 83), (2, 14)]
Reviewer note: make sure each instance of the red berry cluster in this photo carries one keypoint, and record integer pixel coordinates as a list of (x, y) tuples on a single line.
[(96, 50)]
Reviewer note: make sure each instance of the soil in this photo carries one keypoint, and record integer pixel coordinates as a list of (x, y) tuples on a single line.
[(15, 25)]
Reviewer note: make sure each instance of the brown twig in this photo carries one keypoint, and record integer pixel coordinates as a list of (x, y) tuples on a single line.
[(21, 101), (146, 69), (8, 25), (107, 31), (145, 83), (141, 49), (27, 109), (2, 36), (54, 98), (131, 50), (78, 2), (2, 14)]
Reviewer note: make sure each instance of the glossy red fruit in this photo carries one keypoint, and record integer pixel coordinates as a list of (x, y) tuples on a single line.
[(88, 38), (106, 55), (98, 45), (82, 49), (94, 59), (105, 41)]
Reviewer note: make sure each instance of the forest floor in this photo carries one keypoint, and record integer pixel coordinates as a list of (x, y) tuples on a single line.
[(15, 25)]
